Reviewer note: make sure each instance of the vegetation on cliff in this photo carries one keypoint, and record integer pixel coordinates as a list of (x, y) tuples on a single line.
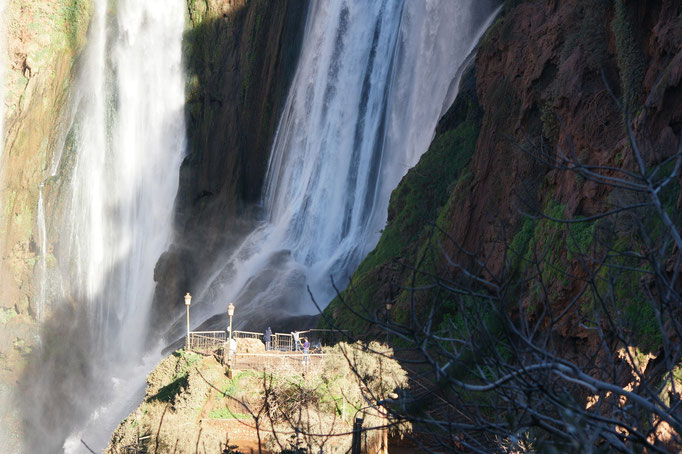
[(192, 401), (542, 285), (426, 191), (43, 42)]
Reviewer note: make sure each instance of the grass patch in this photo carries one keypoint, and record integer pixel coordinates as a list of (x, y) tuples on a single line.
[(7, 314), (225, 413)]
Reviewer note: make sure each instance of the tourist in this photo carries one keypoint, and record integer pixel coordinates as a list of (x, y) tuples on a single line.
[(267, 337), (306, 347), (296, 335)]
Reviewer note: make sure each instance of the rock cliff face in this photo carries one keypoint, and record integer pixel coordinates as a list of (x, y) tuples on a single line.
[(537, 77), (240, 57), (43, 42)]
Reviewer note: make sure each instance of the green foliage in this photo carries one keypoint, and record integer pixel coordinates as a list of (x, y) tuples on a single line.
[(197, 10), (518, 248), (75, 14), (641, 322), (423, 191), (580, 237), (7, 314), (226, 413), (179, 382), (348, 365), (550, 123)]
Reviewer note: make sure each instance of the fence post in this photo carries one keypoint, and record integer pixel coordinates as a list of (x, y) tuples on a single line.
[(356, 444)]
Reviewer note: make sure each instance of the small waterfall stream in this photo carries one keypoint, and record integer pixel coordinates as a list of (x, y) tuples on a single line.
[(369, 89)]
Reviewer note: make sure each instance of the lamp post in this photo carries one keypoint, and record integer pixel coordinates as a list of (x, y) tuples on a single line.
[(230, 312), (188, 301)]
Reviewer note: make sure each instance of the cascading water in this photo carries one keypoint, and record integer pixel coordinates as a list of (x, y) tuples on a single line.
[(126, 141), (131, 138), (369, 89)]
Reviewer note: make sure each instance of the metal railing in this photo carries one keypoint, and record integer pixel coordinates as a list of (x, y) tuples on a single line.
[(247, 335), (278, 361), (206, 341), (320, 337), (278, 341), (282, 342)]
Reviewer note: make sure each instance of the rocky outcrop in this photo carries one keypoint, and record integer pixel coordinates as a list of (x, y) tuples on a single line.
[(240, 57), (43, 42), (538, 77)]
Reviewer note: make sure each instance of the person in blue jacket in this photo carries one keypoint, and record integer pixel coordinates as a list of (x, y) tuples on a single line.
[(267, 338)]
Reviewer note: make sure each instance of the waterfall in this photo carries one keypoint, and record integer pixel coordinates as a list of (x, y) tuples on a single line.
[(130, 141), (369, 89), (124, 140)]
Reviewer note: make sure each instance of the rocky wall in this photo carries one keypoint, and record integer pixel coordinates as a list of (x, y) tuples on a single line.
[(240, 56), (44, 39), (538, 80)]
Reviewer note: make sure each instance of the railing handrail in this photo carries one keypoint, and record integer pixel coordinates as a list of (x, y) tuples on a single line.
[(207, 335), (248, 332), (319, 330), (279, 355), (205, 341)]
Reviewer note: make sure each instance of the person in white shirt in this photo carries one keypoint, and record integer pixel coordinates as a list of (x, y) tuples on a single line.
[(296, 335)]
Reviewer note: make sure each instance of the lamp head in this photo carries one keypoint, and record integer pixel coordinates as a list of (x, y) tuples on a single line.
[(230, 310), (188, 299)]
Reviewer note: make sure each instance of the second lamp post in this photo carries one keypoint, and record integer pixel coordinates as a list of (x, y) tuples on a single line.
[(188, 301)]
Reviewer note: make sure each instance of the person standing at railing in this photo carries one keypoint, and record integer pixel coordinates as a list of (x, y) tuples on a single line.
[(306, 347), (267, 337), (296, 335)]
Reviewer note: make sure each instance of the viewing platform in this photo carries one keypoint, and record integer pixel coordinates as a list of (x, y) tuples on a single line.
[(251, 353), (249, 350)]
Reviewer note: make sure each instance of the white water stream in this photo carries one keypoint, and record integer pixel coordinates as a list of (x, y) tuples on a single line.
[(128, 137), (369, 89), (130, 141)]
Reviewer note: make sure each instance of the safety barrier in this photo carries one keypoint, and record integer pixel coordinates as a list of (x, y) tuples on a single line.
[(206, 342)]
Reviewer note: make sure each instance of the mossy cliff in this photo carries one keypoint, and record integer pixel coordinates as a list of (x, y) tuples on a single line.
[(43, 42), (240, 58), (540, 61)]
